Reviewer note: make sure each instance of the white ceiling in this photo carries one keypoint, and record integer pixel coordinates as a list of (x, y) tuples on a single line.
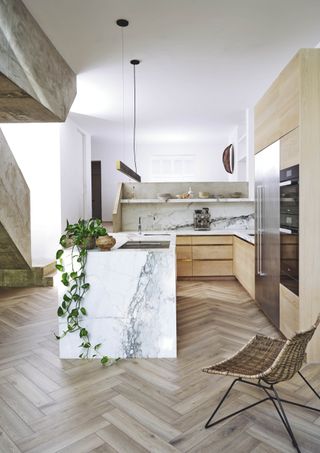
[(203, 62)]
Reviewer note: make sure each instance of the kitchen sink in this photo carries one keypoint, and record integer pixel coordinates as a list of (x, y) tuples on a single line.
[(146, 245)]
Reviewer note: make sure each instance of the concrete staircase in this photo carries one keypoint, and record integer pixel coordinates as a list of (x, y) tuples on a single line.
[(15, 237)]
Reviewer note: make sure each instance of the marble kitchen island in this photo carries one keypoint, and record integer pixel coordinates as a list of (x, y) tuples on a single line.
[(131, 303)]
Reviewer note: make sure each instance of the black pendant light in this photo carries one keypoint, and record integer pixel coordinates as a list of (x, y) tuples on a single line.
[(120, 166)]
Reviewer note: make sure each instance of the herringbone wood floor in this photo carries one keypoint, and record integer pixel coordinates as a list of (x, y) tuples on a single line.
[(49, 405)]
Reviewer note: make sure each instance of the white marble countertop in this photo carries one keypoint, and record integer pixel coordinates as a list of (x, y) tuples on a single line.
[(123, 237), (247, 235)]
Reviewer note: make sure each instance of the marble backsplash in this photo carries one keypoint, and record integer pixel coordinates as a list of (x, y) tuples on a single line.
[(176, 216)]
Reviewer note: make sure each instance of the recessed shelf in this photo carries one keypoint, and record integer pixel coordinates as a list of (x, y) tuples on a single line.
[(185, 200)]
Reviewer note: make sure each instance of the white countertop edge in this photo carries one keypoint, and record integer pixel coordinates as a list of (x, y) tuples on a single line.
[(123, 237)]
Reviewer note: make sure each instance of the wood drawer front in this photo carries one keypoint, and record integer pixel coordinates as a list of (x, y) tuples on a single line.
[(289, 312), (212, 268), (184, 268), (212, 252), (183, 240), (184, 252), (211, 240)]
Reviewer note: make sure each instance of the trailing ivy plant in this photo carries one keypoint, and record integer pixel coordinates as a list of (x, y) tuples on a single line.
[(78, 236)]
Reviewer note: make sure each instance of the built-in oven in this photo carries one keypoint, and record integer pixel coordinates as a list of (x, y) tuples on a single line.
[(289, 228)]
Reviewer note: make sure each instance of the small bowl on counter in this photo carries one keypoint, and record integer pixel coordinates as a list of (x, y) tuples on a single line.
[(204, 195)]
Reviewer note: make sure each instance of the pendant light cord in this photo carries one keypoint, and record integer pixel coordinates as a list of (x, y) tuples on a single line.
[(134, 117), (123, 103)]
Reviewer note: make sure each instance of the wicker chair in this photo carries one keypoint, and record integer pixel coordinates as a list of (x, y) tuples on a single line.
[(270, 361)]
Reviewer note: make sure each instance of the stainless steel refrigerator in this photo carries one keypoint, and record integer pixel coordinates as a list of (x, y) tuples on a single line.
[(267, 230)]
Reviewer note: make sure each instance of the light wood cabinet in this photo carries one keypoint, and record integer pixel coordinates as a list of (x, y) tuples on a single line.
[(184, 268), (212, 268), (183, 240), (277, 112), (290, 112), (212, 252), (204, 256), (184, 252), (289, 312), (244, 264), (212, 240)]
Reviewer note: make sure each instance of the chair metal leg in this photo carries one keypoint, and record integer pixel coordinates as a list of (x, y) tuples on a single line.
[(209, 425), (285, 420), (308, 384), (276, 401)]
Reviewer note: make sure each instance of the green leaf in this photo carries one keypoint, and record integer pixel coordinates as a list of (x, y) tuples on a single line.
[(83, 332), (97, 346), (74, 275), (85, 286), (66, 298), (104, 360), (60, 311), (87, 345), (57, 337), (59, 254), (60, 267), (74, 313), (83, 310), (73, 287), (76, 297)]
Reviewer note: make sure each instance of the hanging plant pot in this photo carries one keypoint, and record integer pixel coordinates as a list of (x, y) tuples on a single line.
[(105, 243), (228, 159), (90, 243)]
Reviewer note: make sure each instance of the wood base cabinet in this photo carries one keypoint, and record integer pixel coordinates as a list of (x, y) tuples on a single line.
[(244, 264), (204, 256)]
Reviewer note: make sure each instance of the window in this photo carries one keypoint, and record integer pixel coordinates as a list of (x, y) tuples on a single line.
[(172, 167)]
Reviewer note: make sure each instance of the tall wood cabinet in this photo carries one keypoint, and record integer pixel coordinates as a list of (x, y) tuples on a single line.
[(290, 111)]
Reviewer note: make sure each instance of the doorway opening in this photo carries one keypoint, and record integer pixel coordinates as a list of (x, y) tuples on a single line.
[(96, 189)]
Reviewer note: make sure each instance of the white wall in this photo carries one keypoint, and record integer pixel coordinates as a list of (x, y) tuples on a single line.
[(75, 146), (55, 160), (37, 152), (207, 163)]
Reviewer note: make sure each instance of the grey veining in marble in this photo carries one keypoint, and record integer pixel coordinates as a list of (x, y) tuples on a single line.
[(180, 216), (131, 304)]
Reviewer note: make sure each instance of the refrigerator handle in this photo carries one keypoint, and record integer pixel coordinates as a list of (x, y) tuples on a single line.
[(259, 229)]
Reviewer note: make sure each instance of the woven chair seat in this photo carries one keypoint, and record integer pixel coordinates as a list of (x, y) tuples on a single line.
[(253, 361)]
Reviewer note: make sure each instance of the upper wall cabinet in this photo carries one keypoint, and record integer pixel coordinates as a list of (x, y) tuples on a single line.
[(277, 112)]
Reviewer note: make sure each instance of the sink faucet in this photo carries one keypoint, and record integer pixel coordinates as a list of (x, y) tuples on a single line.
[(139, 226)]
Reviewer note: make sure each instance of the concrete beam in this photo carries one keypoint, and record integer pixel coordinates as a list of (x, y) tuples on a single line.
[(36, 84)]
